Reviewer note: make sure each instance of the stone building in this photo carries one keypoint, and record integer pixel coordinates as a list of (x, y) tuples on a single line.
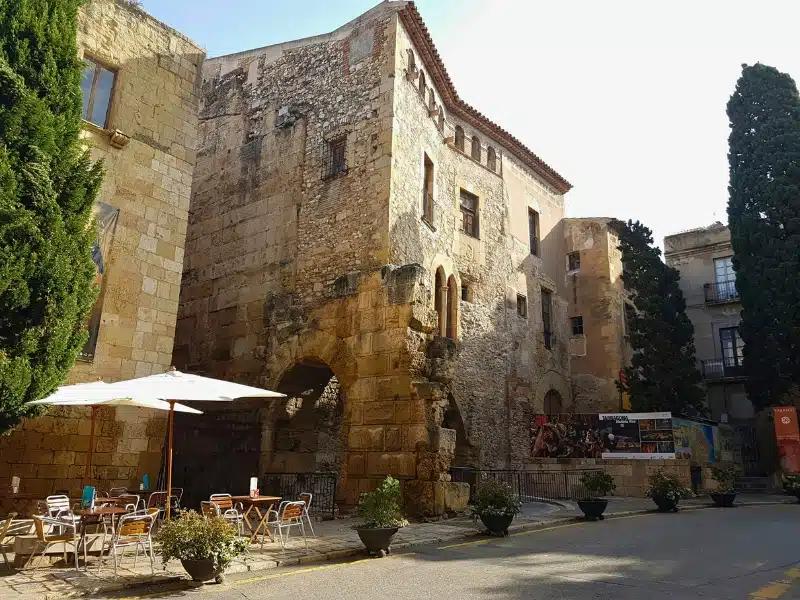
[(365, 241), (140, 99), (596, 297)]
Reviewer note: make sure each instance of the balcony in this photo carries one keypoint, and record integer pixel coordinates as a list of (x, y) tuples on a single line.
[(719, 369), (721, 292)]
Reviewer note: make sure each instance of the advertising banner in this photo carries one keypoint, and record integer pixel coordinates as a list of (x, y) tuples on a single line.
[(788, 437), (695, 440)]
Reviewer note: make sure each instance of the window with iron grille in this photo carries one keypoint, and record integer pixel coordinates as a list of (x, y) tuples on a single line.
[(522, 306), (469, 213), (573, 261), (533, 231), (97, 87), (547, 318), (335, 157), (577, 325)]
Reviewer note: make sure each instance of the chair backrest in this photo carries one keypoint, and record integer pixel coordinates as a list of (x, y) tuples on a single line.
[(57, 504), (153, 512), (209, 509), (224, 501), (118, 491), (292, 510), (39, 527), (5, 527), (306, 498), (158, 499), (134, 525), (126, 500), (176, 493)]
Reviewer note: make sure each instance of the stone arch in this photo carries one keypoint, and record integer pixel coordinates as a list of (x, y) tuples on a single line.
[(553, 403), (491, 159), (314, 344), (555, 381), (452, 308), (465, 454), (476, 148), (459, 138), (422, 84)]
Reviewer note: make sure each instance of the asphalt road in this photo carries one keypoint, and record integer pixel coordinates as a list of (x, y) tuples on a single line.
[(749, 553)]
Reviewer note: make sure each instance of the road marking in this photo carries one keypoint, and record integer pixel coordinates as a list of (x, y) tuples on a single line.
[(776, 589)]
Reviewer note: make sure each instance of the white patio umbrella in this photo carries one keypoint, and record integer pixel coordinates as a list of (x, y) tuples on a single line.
[(174, 386), (99, 393)]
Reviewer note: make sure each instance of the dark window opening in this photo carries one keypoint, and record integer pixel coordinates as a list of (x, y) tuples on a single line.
[(469, 213), (732, 347), (573, 261), (491, 159), (97, 87), (522, 306), (431, 100), (476, 148), (547, 318), (422, 85), (459, 138), (335, 158), (427, 192), (465, 293), (441, 119), (533, 231), (577, 325)]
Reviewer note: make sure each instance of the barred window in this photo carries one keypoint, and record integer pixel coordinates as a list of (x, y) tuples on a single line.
[(335, 157), (469, 213), (577, 325)]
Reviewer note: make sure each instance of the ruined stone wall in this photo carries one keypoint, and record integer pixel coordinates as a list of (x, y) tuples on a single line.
[(502, 370), (148, 147), (596, 293)]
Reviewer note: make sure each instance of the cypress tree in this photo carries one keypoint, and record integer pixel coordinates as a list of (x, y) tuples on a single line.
[(764, 219), (47, 187), (663, 375)]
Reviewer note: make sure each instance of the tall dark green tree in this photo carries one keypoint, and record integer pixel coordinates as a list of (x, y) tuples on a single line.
[(764, 219), (47, 187), (663, 375)]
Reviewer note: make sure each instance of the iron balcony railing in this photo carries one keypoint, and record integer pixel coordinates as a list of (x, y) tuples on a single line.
[(720, 368), (721, 291), (527, 485)]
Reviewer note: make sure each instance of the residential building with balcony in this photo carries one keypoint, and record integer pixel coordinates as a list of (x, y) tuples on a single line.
[(704, 257)]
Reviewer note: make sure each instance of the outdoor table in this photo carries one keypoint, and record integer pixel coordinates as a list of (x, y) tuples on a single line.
[(92, 516), (254, 503)]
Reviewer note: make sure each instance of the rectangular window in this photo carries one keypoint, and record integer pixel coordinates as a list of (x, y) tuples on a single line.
[(335, 157), (577, 325), (732, 347), (97, 87), (469, 213), (547, 318), (533, 231), (725, 278), (573, 261), (427, 190), (522, 306), (464, 293)]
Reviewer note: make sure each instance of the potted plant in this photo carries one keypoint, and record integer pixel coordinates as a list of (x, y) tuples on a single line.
[(205, 546), (725, 493), (596, 484), (791, 485), (496, 506), (381, 517), (666, 491)]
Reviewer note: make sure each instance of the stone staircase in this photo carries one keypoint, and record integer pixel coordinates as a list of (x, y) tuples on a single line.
[(755, 484)]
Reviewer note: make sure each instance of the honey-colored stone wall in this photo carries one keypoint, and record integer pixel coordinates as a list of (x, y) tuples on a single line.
[(154, 112)]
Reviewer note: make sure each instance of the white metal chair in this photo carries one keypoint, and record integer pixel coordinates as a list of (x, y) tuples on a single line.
[(135, 530), (117, 491), (288, 515), (305, 498), (59, 509), (61, 538), (3, 533), (233, 513)]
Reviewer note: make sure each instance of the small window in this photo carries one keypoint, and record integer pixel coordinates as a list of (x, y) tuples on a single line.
[(97, 86), (431, 100), (533, 231), (522, 306), (547, 318), (427, 191), (422, 85), (412, 63), (469, 213), (476, 148), (441, 119), (464, 292), (459, 138), (577, 325), (491, 159), (335, 158), (573, 261)]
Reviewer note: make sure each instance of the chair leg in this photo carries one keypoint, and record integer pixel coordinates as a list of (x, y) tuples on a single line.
[(114, 551), (308, 518), (36, 568), (152, 558), (303, 530), (5, 559)]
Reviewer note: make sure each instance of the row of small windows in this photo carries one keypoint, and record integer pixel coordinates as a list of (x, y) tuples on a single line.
[(475, 150)]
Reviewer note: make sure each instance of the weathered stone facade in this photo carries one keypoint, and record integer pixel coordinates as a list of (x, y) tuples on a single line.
[(308, 255), (148, 144), (596, 297)]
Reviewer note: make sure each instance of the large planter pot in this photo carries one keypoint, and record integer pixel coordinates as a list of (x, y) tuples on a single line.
[(497, 524), (665, 504), (723, 498), (203, 570), (593, 509), (377, 540)]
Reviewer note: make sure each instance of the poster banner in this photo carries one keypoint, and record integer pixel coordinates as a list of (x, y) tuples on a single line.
[(607, 435), (695, 440), (788, 437)]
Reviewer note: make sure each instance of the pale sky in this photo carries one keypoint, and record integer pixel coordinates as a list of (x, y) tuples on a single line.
[(625, 98)]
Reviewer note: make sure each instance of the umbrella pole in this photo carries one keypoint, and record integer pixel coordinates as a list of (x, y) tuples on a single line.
[(91, 447), (169, 457)]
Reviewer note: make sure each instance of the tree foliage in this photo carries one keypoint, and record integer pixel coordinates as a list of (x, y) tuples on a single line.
[(764, 219), (663, 375), (47, 187)]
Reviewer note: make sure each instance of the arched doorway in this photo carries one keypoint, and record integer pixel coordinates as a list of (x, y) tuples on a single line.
[(464, 452), (553, 403)]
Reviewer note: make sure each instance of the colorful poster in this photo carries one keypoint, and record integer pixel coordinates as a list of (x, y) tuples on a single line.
[(788, 437), (695, 440)]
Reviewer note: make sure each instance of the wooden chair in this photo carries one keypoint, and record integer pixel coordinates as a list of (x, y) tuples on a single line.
[(135, 530), (61, 538), (288, 515), (234, 514), (3, 533), (305, 498)]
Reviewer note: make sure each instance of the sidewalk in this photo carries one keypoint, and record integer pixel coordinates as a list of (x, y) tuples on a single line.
[(335, 540)]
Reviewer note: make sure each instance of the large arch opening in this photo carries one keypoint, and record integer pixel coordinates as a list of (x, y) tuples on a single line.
[(553, 403), (465, 455)]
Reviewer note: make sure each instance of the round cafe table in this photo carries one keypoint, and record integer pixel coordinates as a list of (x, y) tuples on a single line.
[(254, 507), (93, 516)]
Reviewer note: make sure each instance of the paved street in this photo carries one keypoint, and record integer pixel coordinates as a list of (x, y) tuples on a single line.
[(746, 552)]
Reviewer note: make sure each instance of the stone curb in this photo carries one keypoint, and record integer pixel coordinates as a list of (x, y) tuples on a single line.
[(163, 581)]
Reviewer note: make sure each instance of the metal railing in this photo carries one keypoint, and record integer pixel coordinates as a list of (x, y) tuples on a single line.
[(528, 485), (720, 368), (289, 485), (721, 291)]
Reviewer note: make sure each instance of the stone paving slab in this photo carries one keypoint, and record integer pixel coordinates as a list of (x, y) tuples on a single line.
[(335, 540)]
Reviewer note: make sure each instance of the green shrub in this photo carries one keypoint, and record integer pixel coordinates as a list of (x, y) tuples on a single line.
[(726, 478), (193, 537), (495, 498), (381, 508), (791, 485), (598, 483), (666, 485)]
